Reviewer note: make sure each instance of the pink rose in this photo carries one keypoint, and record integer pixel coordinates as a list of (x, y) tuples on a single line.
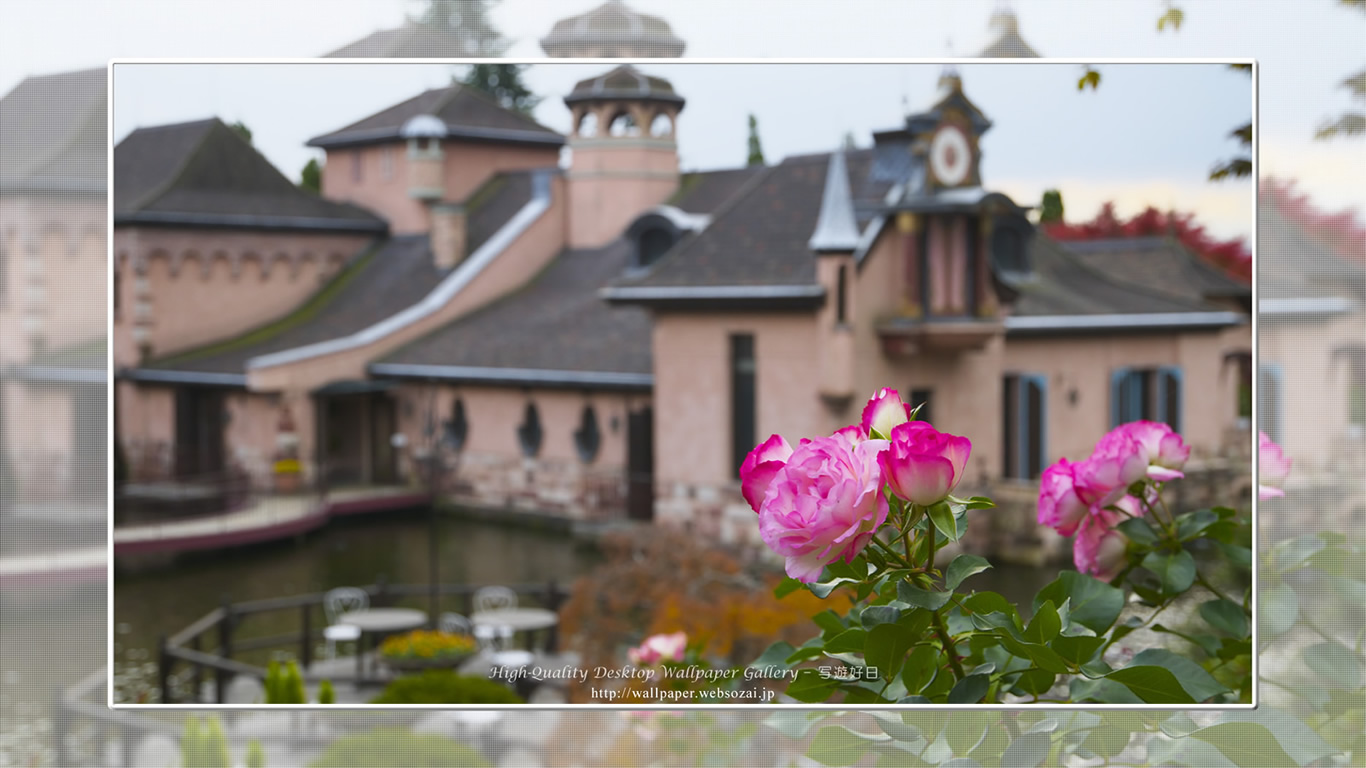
[(657, 648), (1118, 462), (1099, 549), (824, 504), (1273, 466), (922, 464), (760, 466), (883, 412), (1167, 452), (1059, 505)]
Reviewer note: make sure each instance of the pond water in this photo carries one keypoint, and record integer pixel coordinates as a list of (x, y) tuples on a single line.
[(157, 601)]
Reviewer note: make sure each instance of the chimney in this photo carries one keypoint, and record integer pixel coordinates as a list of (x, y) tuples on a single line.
[(448, 235)]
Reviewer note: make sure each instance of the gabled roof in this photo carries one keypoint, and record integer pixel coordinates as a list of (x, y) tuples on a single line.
[(391, 278), (555, 331), (204, 174), (1292, 264), (1160, 264), (758, 243), (466, 112), (83, 363), (55, 133), (616, 27)]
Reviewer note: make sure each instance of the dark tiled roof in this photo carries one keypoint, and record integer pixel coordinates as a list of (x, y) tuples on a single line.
[(1292, 264), (612, 23), (706, 191), (760, 237), (624, 82), (467, 113), (413, 41), (203, 173), (1159, 264), (1063, 284), (555, 323), (54, 130), (494, 204), (382, 283)]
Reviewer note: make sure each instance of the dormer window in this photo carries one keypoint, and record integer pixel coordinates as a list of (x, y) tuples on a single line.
[(656, 233), (653, 244), (1008, 248)]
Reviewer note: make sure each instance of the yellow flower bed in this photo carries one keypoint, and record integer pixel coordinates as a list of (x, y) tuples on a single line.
[(426, 644), (288, 467)]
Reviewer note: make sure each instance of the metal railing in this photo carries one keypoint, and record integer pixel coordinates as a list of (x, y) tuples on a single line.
[(209, 645)]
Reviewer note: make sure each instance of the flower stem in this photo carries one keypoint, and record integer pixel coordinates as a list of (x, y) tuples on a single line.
[(891, 552), (949, 648), (1202, 581)]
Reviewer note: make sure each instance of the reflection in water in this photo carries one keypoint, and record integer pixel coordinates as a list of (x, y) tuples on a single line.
[(163, 600)]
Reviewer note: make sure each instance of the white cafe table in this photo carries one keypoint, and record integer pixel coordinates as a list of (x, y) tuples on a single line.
[(380, 621), (517, 619)]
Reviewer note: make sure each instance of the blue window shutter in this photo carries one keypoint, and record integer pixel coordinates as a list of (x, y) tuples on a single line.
[(1269, 401), (1035, 442), (1118, 381), (1170, 378)]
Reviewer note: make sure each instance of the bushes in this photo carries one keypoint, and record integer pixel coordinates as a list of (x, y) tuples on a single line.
[(286, 686), (325, 693), (445, 687), (397, 748), (205, 747)]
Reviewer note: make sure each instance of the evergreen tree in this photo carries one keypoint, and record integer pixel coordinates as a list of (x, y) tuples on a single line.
[(325, 693), (242, 130), (1052, 209), (756, 151), (467, 20), (256, 755), (504, 83), (311, 177)]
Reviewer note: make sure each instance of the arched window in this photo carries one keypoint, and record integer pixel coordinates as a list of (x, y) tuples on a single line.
[(588, 125), (529, 434), (654, 243), (458, 427), (587, 438), (662, 126), (624, 124)]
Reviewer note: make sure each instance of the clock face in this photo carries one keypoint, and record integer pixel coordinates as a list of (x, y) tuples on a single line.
[(950, 156)]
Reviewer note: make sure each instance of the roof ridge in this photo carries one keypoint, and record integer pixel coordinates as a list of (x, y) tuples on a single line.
[(489, 98), (171, 178)]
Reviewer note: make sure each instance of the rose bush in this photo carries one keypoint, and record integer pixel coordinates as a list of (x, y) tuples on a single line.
[(864, 511)]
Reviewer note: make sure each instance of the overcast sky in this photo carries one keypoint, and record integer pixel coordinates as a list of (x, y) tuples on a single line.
[(1148, 136)]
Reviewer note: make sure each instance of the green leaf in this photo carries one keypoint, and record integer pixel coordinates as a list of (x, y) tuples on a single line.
[(1238, 555), (1103, 690), (793, 724), (930, 601), (1095, 604), (1138, 531), (1027, 751), (962, 567), (1152, 684), (775, 655), (894, 726), (1191, 676), (1045, 625), (886, 649), (1035, 682), (1192, 524), (830, 622), (1297, 739), (1246, 744), (837, 745), (988, 602), (920, 668), (1107, 740), (809, 687), (1279, 609), (849, 641), (809, 650), (879, 614), (1334, 663), (970, 689), (786, 587), (823, 589), (966, 729), (1175, 571), (1076, 650), (941, 515), (1225, 616)]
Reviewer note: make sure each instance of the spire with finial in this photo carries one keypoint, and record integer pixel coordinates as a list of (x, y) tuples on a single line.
[(1008, 43), (836, 225)]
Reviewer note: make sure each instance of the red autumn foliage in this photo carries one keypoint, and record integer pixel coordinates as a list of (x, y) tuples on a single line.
[(1340, 232), (1232, 256)]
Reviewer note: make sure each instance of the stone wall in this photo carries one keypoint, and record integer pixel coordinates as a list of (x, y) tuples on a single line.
[(569, 489)]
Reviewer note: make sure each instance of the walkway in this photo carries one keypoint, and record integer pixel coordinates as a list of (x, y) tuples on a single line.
[(69, 566), (267, 518)]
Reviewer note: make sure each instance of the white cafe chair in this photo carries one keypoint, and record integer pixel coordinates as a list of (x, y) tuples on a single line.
[(337, 603), (488, 599)]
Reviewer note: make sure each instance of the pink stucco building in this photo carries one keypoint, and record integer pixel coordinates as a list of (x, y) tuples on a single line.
[(610, 338)]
